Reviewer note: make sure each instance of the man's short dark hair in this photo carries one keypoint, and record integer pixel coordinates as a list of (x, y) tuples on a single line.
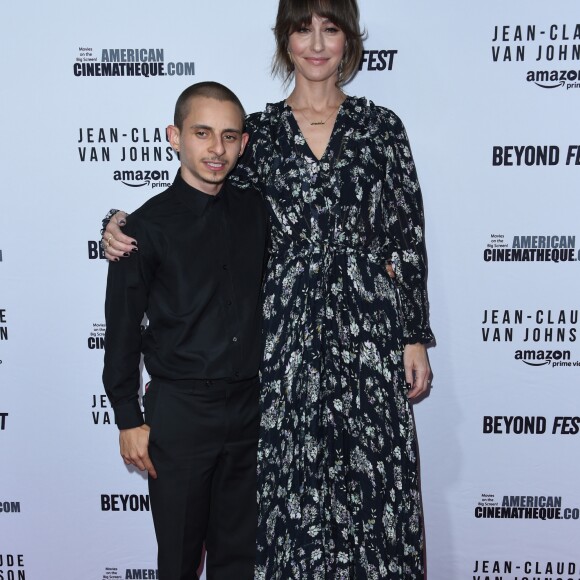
[(209, 89)]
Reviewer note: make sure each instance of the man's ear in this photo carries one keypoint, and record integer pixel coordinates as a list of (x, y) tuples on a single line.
[(245, 139), (173, 134)]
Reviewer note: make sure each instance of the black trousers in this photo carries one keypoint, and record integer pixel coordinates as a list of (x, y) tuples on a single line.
[(203, 444)]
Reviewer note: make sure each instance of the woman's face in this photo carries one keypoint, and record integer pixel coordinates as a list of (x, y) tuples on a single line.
[(317, 49)]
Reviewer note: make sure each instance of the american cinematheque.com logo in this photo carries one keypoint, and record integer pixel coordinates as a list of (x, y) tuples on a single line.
[(533, 248), (525, 507), (128, 62), (546, 55)]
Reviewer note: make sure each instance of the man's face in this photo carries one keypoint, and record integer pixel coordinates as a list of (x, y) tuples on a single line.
[(209, 142)]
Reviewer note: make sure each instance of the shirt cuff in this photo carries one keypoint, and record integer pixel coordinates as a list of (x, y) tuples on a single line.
[(128, 415)]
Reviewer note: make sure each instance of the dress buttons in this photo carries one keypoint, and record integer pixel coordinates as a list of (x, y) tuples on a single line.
[(237, 374), (225, 266), (229, 302), (235, 339)]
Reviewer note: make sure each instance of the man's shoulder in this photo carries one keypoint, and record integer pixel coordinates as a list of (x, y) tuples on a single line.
[(155, 207), (153, 204), (153, 215)]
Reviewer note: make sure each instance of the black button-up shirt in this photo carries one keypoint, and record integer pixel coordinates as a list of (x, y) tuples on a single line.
[(197, 276)]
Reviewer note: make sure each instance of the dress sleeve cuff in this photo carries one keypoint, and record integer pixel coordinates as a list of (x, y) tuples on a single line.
[(424, 337)]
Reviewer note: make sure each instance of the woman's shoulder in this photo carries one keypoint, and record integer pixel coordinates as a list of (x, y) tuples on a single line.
[(364, 107), (270, 115), (265, 126)]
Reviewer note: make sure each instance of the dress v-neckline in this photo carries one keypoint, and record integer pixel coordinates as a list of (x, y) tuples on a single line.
[(298, 131)]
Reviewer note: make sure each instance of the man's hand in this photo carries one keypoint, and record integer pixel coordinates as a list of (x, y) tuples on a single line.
[(417, 369), (115, 243), (134, 445)]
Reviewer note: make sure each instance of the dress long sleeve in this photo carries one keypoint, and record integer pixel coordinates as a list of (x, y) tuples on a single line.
[(405, 232)]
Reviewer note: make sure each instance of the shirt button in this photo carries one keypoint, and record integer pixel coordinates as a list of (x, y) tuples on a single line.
[(229, 302), (235, 339), (225, 266), (237, 374)]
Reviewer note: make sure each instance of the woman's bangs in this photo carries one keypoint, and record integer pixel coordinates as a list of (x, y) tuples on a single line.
[(305, 9)]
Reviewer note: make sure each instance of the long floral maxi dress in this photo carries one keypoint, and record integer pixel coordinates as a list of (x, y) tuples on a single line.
[(338, 485)]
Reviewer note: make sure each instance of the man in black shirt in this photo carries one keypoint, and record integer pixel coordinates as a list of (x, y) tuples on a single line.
[(197, 276)]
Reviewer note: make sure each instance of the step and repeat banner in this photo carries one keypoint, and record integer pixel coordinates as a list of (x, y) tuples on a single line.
[(489, 93)]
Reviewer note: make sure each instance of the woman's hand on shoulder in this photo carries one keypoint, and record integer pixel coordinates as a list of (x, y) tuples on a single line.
[(115, 243)]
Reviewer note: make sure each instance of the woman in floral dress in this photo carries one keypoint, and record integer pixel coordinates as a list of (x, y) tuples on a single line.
[(338, 482)]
